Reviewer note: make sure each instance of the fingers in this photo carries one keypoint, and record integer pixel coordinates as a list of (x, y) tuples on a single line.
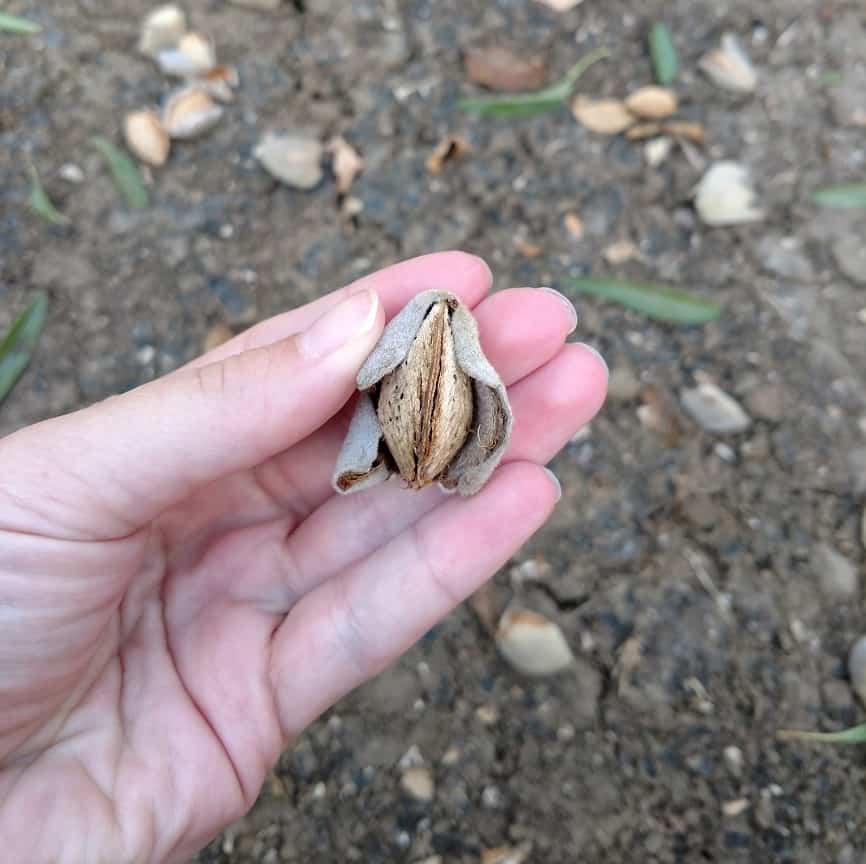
[(549, 406), (138, 453), (465, 275), (352, 627), (520, 329)]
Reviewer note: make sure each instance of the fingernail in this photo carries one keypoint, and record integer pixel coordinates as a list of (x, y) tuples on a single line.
[(346, 321), (595, 352), (555, 480), (566, 302)]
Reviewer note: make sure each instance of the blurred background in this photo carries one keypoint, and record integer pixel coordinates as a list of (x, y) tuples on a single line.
[(699, 586)]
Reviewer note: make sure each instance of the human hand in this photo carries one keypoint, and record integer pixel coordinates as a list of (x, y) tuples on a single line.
[(181, 593)]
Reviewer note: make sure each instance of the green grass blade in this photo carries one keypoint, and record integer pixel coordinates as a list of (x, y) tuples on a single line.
[(655, 301), (14, 24), (41, 204), (846, 195), (663, 54), (18, 344), (125, 173), (527, 104), (854, 735)]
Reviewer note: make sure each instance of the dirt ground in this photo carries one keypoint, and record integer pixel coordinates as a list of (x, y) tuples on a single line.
[(688, 571)]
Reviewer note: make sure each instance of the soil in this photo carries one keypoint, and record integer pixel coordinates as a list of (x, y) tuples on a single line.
[(682, 567)]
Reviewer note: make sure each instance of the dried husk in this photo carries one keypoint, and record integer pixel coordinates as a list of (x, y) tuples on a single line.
[(432, 408), (603, 116), (652, 102)]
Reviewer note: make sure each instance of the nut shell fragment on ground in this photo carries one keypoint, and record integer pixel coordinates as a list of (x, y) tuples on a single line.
[(295, 160), (190, 112), (146, 137)]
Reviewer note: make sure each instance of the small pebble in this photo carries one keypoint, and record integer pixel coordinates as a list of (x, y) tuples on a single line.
[(71, 173), (734, 808), (733, 757), (418, 784), (836, 575), (293, 159), (714, 410), (491, 797)]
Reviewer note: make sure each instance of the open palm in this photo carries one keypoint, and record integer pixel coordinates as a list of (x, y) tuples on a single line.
[(181, 593)]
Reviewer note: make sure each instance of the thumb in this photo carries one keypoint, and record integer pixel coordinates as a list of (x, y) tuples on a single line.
[(134, 455)]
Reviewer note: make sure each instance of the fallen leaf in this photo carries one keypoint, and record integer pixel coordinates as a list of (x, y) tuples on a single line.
[(499, 68), (346, 163), (573, 224), (663, 53), (124, 172), (41, 204), (854, 735), (846, 195), (449, 148), (17, 346), (16, 24), (528, 104), (604, 116), (660, 302)]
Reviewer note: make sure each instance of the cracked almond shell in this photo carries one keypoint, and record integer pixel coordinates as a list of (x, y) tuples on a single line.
[(432, 408)]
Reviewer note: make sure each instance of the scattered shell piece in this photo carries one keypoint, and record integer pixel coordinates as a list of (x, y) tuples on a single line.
[(683, 129), (733, 757), (506, 854), (293, 159), (641, 131), (218, 335), (620, 252), (729, 67), (527, 248), (561, 5), (162, 29), (449, 148), (656, 150), (146, 137), (483, 604), (573, 224), (267, 5), (604, 116), (220, 82), (500, 68), (418, 783), (725, 195), (194, 55), (652, 102), (714, 410), (532, 643), (734, 808), (346, 163), (190, 112), (857, 668), (71, 173)]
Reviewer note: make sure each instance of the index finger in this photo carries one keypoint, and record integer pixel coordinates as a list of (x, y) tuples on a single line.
[(465, 275)]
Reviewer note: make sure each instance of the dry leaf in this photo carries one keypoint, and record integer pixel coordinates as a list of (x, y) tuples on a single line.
[(146, 137), (532, 643), (499, 68), (604, 116), (346, 165), (450, 147), (652, 102), (432, 408), (218, 335), (574, 225)]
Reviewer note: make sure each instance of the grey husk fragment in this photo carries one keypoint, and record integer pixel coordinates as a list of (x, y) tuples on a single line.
[(363, 461)]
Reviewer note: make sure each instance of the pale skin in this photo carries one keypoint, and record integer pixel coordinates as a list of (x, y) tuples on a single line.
[(181, 592)]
